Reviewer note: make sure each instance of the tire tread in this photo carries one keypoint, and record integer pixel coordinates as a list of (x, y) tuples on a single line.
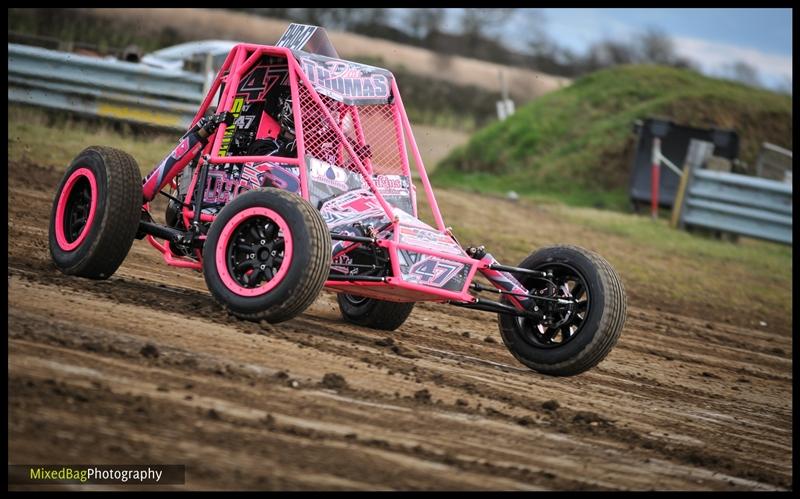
[(120, 221)]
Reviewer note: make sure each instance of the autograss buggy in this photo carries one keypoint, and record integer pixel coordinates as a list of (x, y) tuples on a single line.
[(301, 179)]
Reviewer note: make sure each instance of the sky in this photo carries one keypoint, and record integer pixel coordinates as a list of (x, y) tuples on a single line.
[(713, 38)]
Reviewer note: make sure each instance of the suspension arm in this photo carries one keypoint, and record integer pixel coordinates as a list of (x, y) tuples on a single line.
[(479, 287), (497, 307), (518, 270)]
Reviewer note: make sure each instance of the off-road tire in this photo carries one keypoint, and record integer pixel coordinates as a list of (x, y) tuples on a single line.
[(107, 238), (308, 268), (603, 324)]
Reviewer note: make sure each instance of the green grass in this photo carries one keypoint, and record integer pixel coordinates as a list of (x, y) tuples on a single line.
[(684, 267), (54, 138), (487, 183), (576, 143), (769, 258)]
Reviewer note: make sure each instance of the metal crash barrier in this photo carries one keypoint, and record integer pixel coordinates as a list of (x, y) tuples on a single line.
[(732, 203), (102, 87)]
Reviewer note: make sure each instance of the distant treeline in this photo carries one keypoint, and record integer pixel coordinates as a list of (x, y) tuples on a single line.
[(479, 35), (428, 100), (78, 27), (483, 33)]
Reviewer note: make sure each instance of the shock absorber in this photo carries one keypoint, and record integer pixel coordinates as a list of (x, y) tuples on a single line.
[(501, 278), (190, 145), (505, 281)]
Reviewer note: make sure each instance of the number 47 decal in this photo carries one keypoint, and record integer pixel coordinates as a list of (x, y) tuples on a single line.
[(435, 272)]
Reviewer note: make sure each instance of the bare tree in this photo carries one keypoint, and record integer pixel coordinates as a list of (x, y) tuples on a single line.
[(332, 18), (434, 20), (543, 53), (415, 19), (479, 25), (607, 53), (744, 73), (649, 47), (538, 41), (279, 12), (374, 16), (655, 47), (472, 26), (423, 22)]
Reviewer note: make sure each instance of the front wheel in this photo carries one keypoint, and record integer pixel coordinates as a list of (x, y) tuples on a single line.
[(573, 338), (267, 255)]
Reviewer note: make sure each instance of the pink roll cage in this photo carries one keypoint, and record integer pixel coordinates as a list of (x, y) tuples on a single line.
[(383, 130)]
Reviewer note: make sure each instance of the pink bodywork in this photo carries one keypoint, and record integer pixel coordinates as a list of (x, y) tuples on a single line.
[(438, 255)]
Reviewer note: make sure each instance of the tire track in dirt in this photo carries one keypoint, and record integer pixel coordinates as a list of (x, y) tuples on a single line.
[(146, 367)]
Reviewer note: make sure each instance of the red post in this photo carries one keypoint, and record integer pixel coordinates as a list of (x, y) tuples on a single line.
[(655, 175)]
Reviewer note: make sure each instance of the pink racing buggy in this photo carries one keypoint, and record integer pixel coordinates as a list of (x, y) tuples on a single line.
[(296, 175)]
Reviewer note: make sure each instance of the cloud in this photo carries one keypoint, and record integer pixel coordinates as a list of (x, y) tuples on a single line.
[(715, 56), (577, 29)]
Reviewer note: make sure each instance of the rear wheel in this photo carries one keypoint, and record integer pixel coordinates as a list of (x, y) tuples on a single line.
[(96, 213), (267, 255), (576, 337), (373, 313)]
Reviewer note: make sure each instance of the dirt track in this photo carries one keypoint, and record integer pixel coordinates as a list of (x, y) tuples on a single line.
[(145, 368)]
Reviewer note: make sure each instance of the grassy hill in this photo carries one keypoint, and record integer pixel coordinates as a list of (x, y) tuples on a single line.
[(576, 144)]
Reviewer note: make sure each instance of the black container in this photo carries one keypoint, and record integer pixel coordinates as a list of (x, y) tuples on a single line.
[(674, 145)]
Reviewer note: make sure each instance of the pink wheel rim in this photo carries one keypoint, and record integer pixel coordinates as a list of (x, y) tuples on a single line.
[(225, 239), (63, 199)]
